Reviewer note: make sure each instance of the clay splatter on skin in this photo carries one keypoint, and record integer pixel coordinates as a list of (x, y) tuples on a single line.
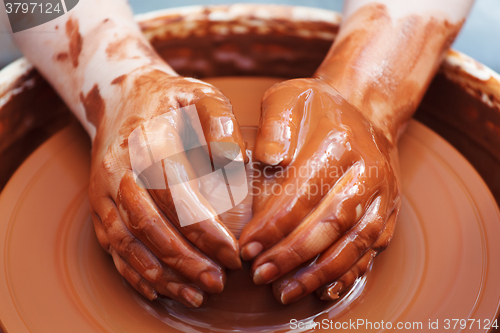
[(147, 50), (75, 40), (94, 105), (62, 56), (119, 80), (128, 126), (118, 50)]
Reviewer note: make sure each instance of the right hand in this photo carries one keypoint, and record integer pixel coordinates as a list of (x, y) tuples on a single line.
[(139, 227), (331, 204)]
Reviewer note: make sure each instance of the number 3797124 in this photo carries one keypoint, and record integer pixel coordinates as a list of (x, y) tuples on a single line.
[(32, 7)]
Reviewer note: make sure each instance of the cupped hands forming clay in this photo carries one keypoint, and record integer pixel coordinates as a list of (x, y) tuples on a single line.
[(328, 192)]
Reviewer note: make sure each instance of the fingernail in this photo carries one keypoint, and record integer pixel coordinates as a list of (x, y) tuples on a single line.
[(292, 292), (192, 296), (251, 250), (265, 273), (153, 295), (213, 281), (332, 293)]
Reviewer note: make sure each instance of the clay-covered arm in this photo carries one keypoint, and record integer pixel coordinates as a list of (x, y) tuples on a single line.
[(387, 52), (111, 78), (83, 52)]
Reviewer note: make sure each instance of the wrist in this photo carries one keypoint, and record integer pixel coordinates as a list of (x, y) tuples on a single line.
[(379, 120), (383, 65)]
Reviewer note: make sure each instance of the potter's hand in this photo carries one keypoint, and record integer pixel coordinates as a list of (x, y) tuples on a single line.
[(114, 82), (140, 228), (335, 192)]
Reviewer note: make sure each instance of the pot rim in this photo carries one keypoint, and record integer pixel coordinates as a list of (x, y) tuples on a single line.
[(477, 79)]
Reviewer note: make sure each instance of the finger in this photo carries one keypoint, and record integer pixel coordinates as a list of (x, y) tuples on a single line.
[(126, 244), (140, 274), (304, 184), (174, 286), (333, 290), (282, 113), (144, 220), (131, 275), (143, 262), (386, 236), (102, 238), (264, 180), (175, 186), (221, 130), (211, 236), (336, 260), (341, 208), (170, 283)]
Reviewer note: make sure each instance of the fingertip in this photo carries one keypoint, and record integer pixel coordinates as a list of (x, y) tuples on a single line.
[(292, 292), (147, 290), (269, 152), (332, 292), (265, 273), (226, 152), (328, 296), (213, 281), (152, 296), (251, 250), (193, 297)]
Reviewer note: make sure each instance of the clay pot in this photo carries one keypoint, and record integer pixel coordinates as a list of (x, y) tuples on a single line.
[(462, 103)]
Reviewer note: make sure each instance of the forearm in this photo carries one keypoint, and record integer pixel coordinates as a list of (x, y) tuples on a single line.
[(386, 54), (86, 53)]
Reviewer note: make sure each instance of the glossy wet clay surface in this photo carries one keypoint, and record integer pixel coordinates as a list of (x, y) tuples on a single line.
[(56, 277)]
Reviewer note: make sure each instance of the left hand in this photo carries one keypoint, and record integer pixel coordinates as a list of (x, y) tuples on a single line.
[(338, 193)]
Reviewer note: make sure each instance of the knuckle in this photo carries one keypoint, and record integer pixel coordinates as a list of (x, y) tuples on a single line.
[(180, 262), (322, 276), (155, 278), (141, 224), (295, 255), (126, 246), (108, 164), (335, 229), (361, 243)]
